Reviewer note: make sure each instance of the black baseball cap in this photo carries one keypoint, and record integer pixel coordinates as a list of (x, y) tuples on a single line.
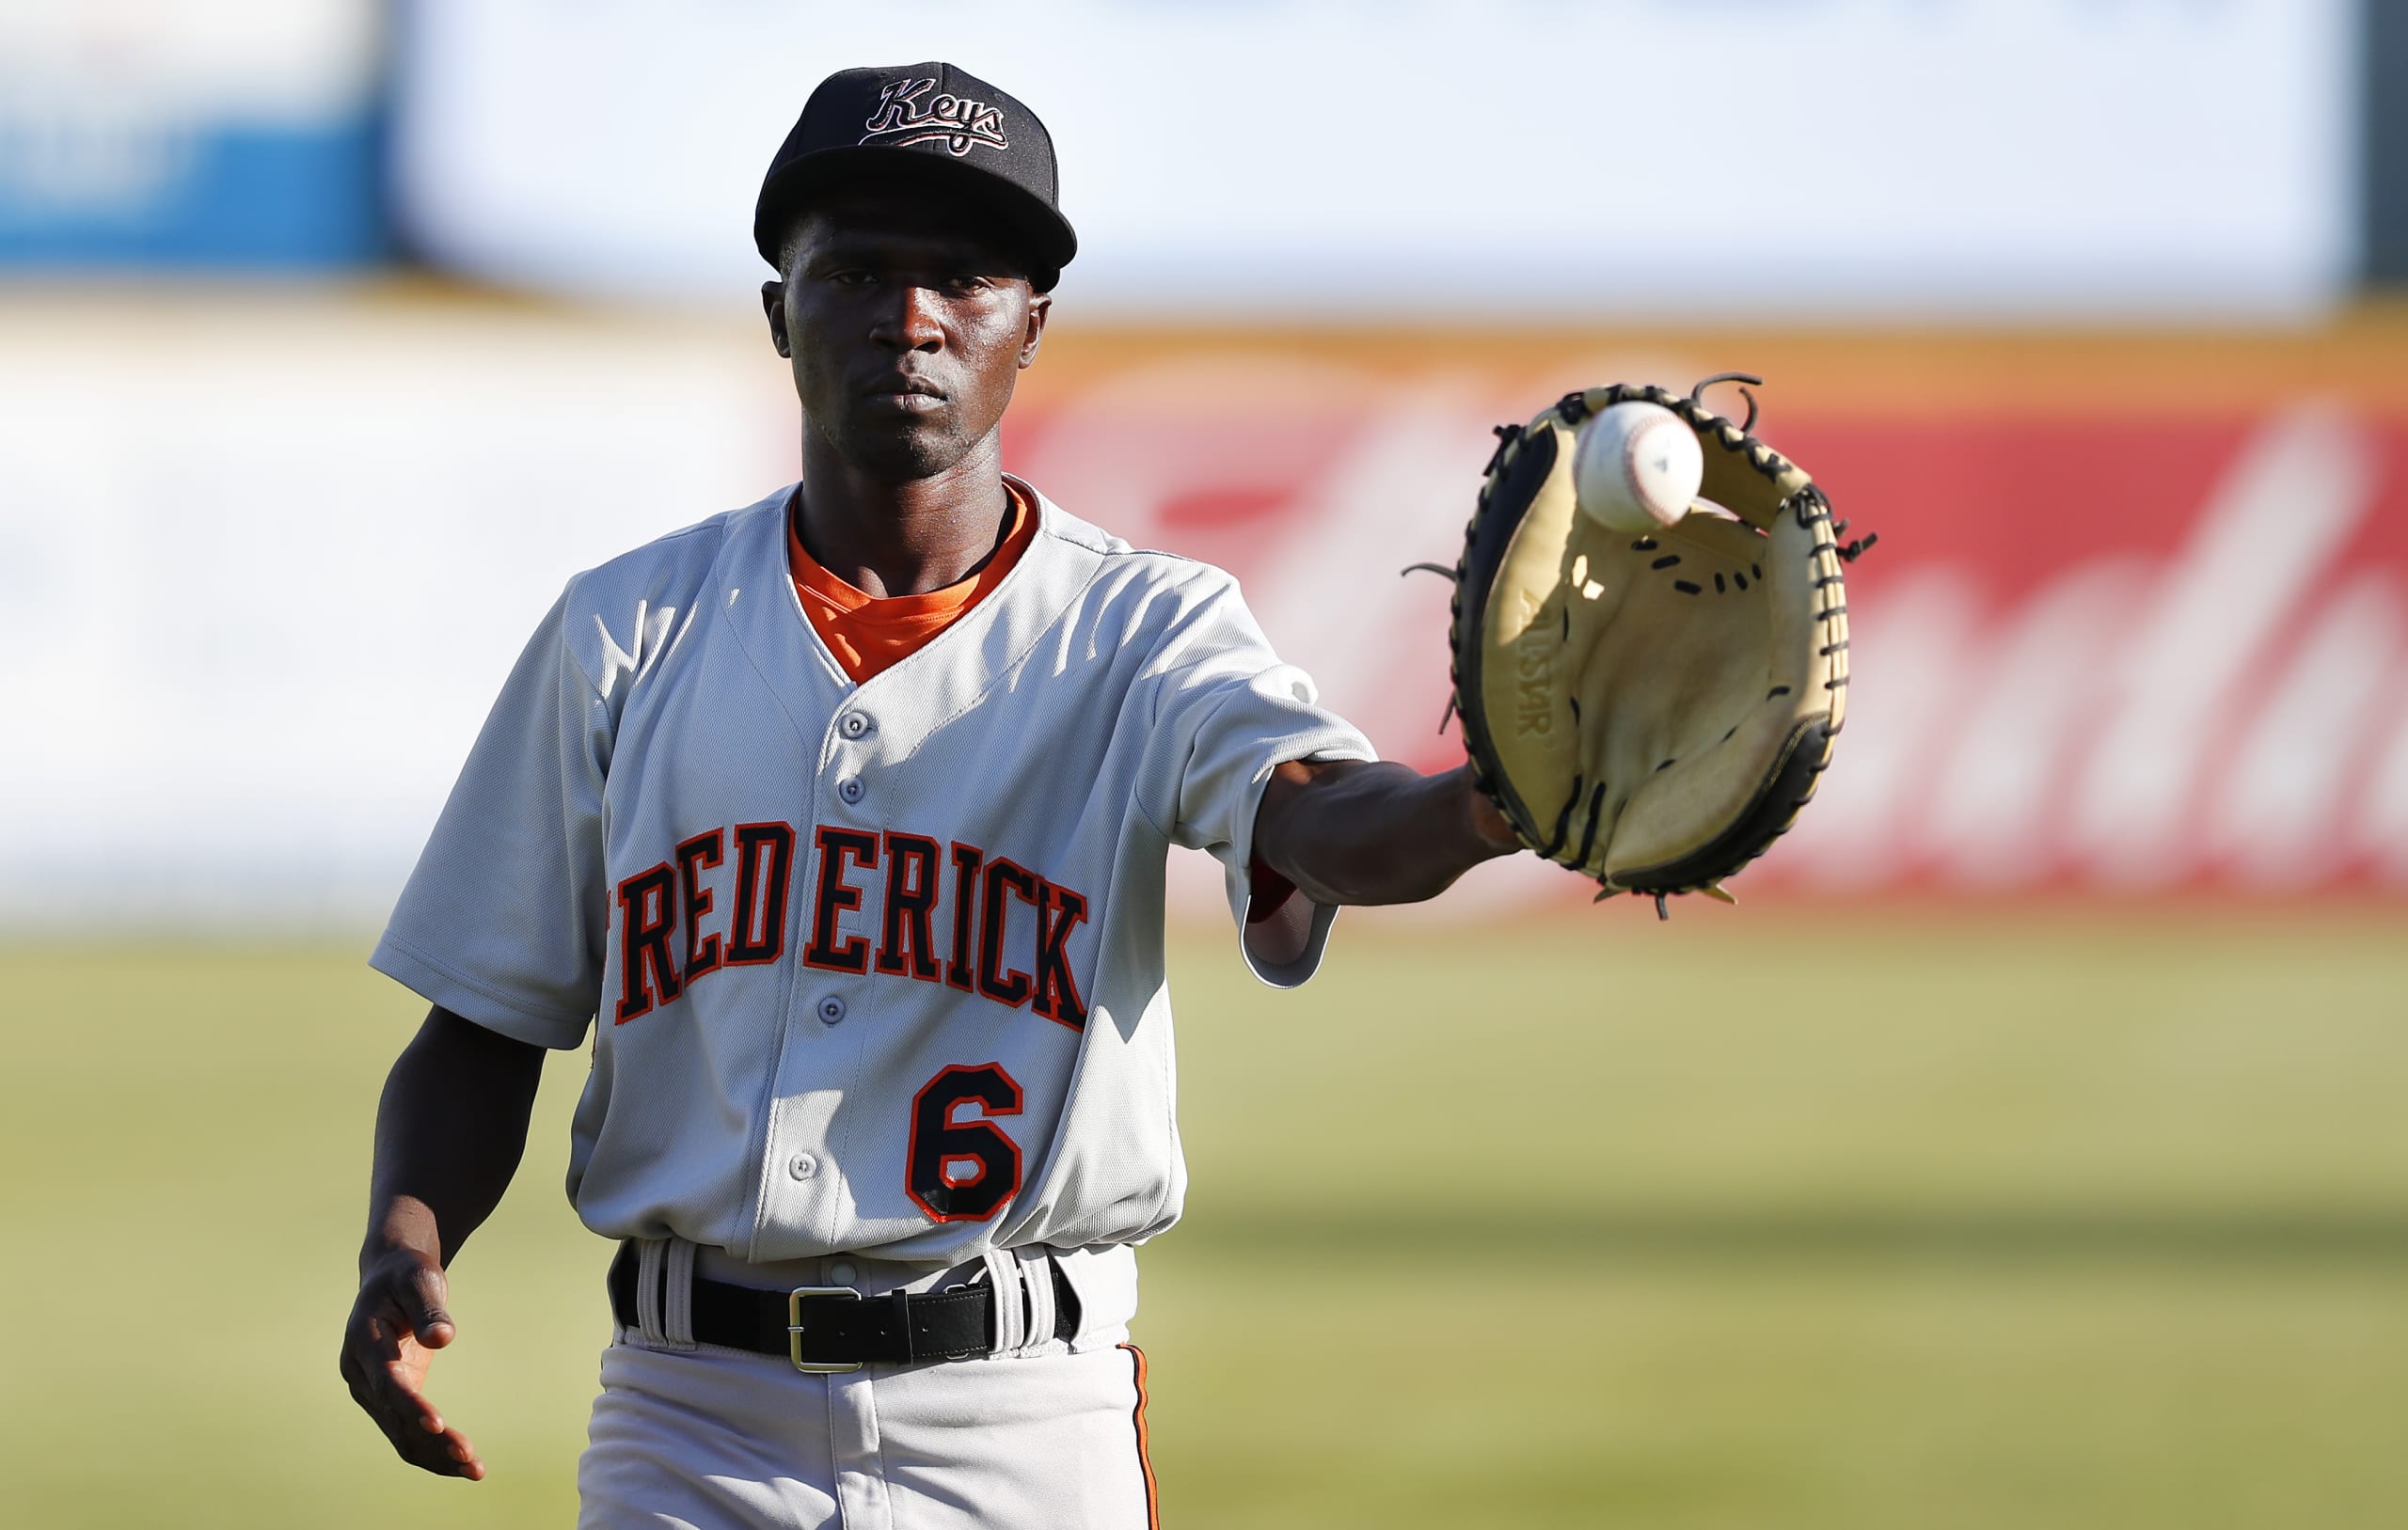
[(930, 124)]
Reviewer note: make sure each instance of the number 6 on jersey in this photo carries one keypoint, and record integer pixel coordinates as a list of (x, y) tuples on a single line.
[(941, 1144)]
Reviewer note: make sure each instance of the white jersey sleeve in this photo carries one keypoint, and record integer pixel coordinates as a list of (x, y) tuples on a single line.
[(1228, 712), (504, 920)]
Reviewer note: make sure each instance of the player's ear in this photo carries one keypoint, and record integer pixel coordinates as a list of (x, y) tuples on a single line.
[(1039, 306), (773, 304)]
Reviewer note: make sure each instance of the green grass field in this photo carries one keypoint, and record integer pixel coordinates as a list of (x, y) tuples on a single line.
[(1976, 1221)]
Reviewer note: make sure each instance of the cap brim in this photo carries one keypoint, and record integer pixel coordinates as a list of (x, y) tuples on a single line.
[(1038, 234)]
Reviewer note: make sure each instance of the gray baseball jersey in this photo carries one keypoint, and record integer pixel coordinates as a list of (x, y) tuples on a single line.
[(871, 968)]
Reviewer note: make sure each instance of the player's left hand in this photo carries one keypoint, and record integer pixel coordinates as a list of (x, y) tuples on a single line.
[(396, 1325)]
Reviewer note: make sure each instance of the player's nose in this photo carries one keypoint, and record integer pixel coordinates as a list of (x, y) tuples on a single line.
[(911, 322)]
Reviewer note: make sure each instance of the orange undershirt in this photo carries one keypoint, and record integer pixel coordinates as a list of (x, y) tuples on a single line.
[(869, 635)]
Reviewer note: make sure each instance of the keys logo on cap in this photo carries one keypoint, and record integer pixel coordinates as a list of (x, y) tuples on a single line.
[(903, 118)]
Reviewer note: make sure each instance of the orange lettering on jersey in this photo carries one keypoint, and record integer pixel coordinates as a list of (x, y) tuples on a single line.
[(700, 853), (910, 944), (678, 922), (838, 897), (962, 971), (756, 933), (647, 915), (1057, 992), (1004, 984)]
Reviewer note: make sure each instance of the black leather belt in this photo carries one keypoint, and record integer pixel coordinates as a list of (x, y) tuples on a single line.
[(834, 1329)]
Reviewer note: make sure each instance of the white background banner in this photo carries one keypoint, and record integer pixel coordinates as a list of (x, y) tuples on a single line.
[(2063, 158)]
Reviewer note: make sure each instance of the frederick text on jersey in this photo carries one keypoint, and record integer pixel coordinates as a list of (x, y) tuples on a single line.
[(894, 904)]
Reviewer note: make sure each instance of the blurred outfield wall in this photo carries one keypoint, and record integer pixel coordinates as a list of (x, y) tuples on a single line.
[(2138, 619), (2046, 290)]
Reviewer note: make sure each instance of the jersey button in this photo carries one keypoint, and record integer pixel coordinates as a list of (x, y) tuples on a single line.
[(832, 1009), (856, 725), (841, 1273), (851, 789), (802, 1165)]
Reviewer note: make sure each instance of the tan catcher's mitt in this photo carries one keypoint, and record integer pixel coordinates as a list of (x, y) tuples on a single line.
[(1651, 711)]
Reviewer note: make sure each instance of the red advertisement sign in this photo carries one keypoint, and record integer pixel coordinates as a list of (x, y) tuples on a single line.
[(2130, 649)]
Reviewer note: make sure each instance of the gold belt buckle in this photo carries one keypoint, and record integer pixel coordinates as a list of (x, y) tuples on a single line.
[(794, 1329)]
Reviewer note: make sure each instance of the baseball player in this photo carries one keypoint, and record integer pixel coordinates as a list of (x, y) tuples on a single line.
[(837, 825)]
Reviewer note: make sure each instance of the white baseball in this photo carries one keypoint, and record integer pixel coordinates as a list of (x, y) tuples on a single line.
[(1637, 467)]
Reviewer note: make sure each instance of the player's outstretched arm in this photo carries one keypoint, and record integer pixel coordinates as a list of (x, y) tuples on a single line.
[(1364, 831), (450, 1131)]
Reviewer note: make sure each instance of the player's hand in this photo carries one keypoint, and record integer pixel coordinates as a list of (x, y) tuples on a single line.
[(395, 1327)]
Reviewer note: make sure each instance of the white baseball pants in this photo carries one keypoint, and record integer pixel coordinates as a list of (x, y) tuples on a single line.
[(1047, 1434)]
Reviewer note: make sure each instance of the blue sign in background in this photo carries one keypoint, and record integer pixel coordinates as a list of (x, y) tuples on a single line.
[(231, 194)]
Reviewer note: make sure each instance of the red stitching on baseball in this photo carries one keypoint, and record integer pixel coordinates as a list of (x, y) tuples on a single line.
[(1630, 466)]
